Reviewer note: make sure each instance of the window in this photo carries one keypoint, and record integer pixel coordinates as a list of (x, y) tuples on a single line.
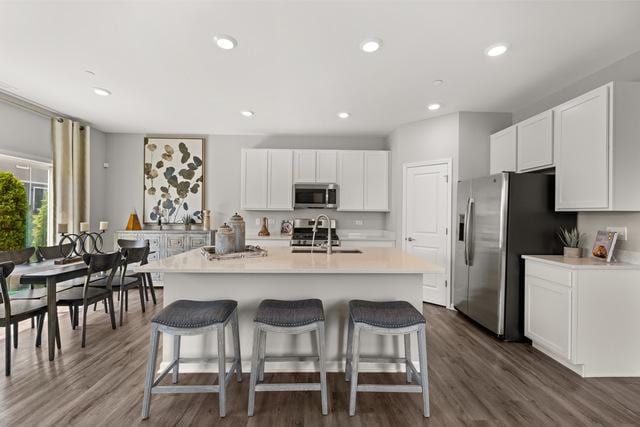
[(36, 178)]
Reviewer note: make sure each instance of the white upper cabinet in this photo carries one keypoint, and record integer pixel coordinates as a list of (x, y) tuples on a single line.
[(304, 166), (376, 180), (254, 179), (535, 142), (327, 166), (596, 140), (351, 180), (267, 180), (310, 166), (582, 137), (503, 151), (363, 180), (280, 180)]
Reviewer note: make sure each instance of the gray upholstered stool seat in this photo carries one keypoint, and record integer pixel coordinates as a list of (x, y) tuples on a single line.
[(185, 317), (385, 314), (387, 318), (289, 313), (195, 314), (287, 317)]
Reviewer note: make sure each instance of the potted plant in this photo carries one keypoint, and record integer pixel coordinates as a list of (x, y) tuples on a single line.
[(187, 220), (571, 240)]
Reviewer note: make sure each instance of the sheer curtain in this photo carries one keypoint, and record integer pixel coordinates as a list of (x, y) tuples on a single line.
[(71, 177)]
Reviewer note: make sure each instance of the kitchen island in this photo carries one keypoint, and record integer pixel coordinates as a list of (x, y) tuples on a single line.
[(375, 274)]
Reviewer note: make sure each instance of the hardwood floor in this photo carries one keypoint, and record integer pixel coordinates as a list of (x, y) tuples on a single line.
[(475, 380)]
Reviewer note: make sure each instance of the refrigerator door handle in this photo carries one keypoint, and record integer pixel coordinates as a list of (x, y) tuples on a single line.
[(469, 230), (467, 225)]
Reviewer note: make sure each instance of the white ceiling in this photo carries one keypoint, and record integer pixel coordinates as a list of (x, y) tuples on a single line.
[(298, 63)]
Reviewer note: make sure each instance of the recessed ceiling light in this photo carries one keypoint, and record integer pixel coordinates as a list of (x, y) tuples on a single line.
[(496, 50), (247, 113), (101, 91), (344, 115), (371, 45), (438, 82), (225, 42), (433, 107)]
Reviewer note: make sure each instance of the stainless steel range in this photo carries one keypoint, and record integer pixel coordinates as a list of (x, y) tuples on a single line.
[(303, 232)]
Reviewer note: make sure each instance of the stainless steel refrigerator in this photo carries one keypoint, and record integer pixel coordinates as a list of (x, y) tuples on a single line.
[(499, 218)]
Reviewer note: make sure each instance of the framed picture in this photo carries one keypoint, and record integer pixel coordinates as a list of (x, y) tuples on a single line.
[(173, 179)]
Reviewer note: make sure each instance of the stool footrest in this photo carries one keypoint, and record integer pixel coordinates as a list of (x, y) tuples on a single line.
[(288, 387), (388, 388), (168, 389)]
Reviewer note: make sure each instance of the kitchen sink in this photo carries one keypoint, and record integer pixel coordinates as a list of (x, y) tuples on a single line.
[(324, 251)]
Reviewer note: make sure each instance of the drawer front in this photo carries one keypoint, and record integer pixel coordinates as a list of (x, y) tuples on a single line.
[(154, 256), (175, 242), (154, 241), (197, 241), (548, 272), (175, 251)]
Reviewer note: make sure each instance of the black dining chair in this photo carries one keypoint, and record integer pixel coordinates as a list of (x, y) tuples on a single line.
[(147, 280), (88, 294), (128, 282), (44, 253), (12, 312)]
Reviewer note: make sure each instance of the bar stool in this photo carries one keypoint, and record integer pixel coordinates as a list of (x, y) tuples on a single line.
[(185, 317), (288, 317), (386, 318)]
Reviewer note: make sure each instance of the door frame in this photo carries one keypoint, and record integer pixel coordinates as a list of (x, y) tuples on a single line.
[(405, 167)]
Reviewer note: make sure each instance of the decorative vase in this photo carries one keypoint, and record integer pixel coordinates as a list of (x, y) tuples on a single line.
[(572, 252), (206, 219), (238, 225), (225, 240), (134, 222), (264, 230)]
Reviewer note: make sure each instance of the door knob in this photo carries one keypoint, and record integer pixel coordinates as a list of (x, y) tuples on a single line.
[(410, 239)]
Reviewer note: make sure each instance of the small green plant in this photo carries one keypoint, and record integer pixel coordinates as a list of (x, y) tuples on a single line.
[(571, 238), (13, 212)]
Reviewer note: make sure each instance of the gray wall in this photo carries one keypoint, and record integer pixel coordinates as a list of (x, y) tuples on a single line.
[(222, 188), (627, 69)]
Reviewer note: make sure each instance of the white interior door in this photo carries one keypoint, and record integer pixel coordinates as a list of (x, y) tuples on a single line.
[(426, 217)]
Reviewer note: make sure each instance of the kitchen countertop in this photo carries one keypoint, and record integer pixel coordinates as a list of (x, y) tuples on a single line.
[(585, 263), (280, 260)]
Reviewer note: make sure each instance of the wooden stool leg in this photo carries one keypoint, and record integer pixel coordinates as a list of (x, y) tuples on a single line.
[(151, 368), (263, 351), (347, 366), (424, 376), (354, 370), (176, 358), (235, 330), (254, 370), (323, 370), (407, 356), (221, 371)]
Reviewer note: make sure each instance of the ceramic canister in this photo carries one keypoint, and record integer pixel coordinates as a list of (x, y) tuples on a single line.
[(238, 225), (225, 240)]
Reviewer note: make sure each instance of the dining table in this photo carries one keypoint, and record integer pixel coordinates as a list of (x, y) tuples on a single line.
[(49, 273)]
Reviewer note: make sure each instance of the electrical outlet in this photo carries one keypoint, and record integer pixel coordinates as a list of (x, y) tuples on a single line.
[(358, 222), (622, 232), (257, 221), (272, 221)]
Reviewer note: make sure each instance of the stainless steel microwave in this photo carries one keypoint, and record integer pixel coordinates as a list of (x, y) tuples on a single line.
[(317, 196)]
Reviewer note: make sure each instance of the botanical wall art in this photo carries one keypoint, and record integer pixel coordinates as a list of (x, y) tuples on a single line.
[(173, 179)]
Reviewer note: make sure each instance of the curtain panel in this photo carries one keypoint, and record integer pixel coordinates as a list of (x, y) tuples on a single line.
[(71, 175)]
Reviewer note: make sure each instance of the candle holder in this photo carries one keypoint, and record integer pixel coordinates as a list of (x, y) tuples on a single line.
[(78, 245)]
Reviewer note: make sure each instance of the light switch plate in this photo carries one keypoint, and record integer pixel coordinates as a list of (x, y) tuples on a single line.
[(359, 222), (622, 232)]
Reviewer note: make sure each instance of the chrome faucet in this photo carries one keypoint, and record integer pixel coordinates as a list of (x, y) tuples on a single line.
[(315, 229)]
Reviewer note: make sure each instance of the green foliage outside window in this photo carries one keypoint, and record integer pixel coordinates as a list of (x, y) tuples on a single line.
[(39, 224), (13, 212)]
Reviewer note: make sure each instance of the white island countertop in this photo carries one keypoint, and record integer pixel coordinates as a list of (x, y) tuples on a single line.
[(280, 260)]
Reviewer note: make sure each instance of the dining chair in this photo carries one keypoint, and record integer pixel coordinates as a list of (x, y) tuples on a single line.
[(53, 252), (86, 295), (12, 312), (148, 281), (127, 282)]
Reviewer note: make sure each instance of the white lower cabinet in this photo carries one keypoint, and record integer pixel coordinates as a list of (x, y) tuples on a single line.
[(369, 243), (584, 314)]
